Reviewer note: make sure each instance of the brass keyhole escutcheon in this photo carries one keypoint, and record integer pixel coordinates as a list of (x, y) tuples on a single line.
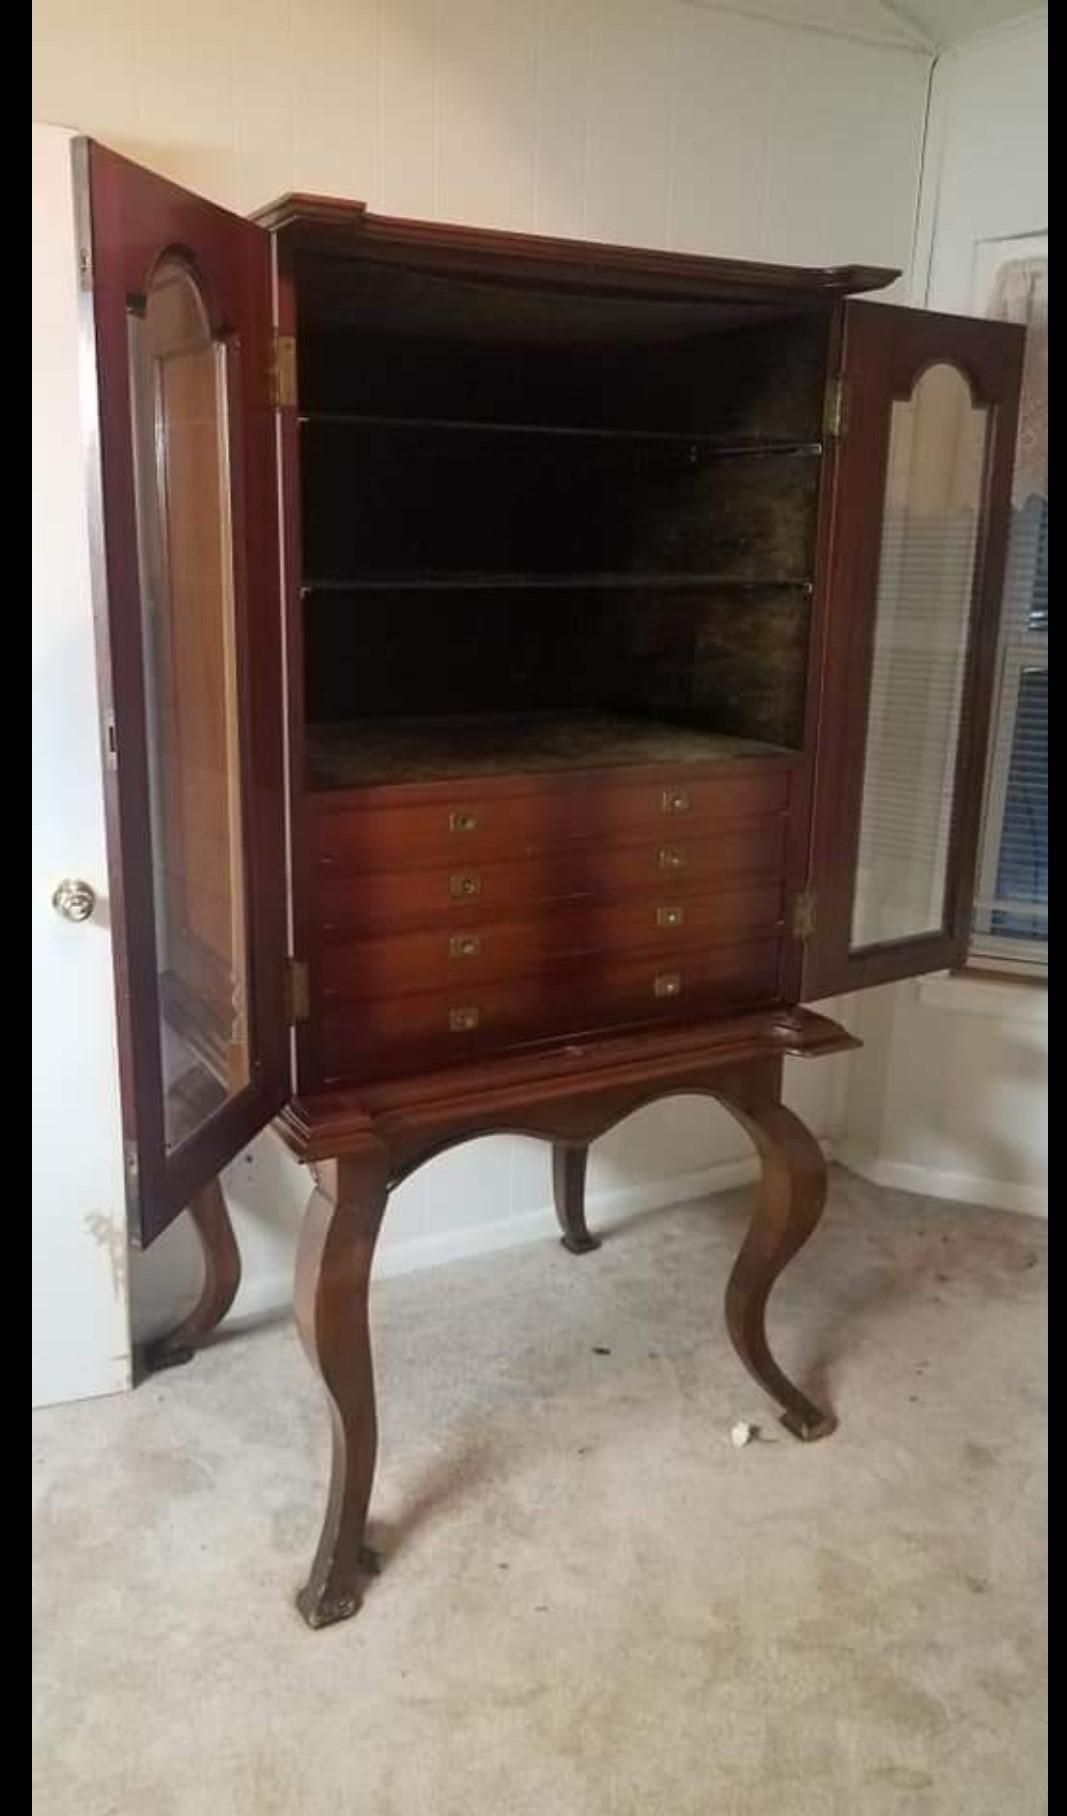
[(465, 884), (676, 800), (465, 945)]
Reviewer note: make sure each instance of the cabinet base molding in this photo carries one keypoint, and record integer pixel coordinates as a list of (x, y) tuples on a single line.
[(361, 1144)]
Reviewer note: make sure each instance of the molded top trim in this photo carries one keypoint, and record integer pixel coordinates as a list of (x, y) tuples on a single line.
[(326, 223)]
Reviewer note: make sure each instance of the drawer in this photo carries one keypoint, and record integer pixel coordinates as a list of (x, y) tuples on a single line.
[(443, 958), (378, 830), (386, 902), (571, 999)]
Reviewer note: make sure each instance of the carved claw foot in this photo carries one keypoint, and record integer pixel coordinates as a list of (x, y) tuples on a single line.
[(792, 1194), (332, 1279)]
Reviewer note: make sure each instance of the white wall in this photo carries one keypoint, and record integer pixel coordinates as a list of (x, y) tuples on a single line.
[(81, 1338), (648, 121), (986, 167), (950, 1093)]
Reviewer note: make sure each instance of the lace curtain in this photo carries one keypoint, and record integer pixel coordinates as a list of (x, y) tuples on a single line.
[(1021, 295)]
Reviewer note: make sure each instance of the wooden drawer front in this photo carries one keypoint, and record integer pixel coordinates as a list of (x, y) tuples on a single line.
[(392, 901), (380, 833), (574, 998), (460, 959)]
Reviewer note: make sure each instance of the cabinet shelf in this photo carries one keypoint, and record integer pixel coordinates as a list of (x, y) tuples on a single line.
[(710, 442), (477, 582), (360, 752)]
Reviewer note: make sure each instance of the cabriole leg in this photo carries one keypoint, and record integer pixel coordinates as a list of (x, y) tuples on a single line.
[(332, 1278), (568, 1185), (792, 1194), (222, 1277)]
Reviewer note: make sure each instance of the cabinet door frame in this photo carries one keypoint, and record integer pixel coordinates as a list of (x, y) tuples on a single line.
[(885, 351), (128, 220)]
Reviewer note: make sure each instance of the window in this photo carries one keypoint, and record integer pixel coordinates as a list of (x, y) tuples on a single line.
[(1011, 904)]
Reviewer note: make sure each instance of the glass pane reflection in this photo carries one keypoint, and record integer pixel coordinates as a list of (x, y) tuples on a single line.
[(180, 430), (934, 484)]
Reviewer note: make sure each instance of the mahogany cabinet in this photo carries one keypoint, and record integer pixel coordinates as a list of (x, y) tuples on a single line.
[(565, 624), (515, 652)]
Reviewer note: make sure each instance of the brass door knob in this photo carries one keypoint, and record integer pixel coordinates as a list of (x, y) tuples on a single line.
[(74, 899)]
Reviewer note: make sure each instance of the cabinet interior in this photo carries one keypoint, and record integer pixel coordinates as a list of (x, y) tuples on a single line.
[(587, 519)]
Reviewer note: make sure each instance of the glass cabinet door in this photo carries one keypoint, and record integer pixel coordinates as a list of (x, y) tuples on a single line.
[(919, 519), (188, 598)]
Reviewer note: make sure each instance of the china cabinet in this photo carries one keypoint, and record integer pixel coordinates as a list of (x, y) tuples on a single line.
[(531, 671)]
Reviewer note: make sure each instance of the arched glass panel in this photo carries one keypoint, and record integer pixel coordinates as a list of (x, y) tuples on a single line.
[(933, 500), (181, 447)]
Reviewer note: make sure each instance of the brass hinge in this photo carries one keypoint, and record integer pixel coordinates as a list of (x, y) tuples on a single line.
[(281, 373), (131, 1166), (835, 410), (804, 915), (297, 990)]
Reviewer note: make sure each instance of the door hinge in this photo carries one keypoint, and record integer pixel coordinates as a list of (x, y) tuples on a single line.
[(111, 742), (835, 410), (131, 1165), (85, 268), (281, 372), (297, 991), (804, 915)]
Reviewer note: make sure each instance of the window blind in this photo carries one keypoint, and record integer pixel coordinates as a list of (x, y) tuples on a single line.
[(928, 550), (1011, 906)]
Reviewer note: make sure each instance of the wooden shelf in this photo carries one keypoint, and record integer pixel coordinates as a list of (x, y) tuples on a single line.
[(467, 582), (724, 446), (355, 753)]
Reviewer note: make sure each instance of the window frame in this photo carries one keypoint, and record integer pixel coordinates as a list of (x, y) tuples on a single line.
[(1008, 955)]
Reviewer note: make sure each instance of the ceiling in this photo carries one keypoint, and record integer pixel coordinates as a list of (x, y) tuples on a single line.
[(920, 24)]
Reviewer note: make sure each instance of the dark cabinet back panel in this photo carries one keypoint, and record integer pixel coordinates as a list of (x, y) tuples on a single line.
[(385, 339), (387, 499), (726, 659)]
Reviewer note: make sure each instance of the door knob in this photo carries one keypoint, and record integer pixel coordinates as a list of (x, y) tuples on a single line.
[(74, 899)]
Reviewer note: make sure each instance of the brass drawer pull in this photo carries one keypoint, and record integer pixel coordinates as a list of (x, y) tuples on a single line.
[(460, 1021), (676, 800), (671, 858), (461, 821), (670, 917), (464, 884), (668, 983), (464, 945)]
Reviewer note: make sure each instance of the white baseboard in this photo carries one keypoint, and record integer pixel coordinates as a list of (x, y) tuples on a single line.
[(936, 1182), (408, 1256), (265, 1294)]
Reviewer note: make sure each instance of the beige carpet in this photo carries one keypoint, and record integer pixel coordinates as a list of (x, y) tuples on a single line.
[(593, 1604)]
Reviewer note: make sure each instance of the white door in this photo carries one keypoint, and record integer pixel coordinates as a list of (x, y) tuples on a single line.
[(81, 1341)]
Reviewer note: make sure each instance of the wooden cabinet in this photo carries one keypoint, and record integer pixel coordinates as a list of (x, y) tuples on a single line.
[(571, 635)]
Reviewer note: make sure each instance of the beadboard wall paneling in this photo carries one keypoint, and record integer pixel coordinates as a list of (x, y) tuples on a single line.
[(655, 122)]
